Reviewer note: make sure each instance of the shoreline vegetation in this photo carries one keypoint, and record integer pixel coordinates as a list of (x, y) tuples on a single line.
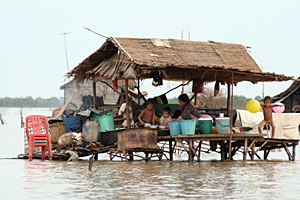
[(31, 102), (239, 102)]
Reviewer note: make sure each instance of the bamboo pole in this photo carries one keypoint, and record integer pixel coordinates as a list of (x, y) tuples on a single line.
[(94, 93), (127, 102)]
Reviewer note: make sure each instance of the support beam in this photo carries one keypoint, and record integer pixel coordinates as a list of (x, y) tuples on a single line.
[(94, 94), (245, 149), (127, 104), (171, 149)]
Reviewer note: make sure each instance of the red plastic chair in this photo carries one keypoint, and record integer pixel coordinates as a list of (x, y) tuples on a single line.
[(38, 135)]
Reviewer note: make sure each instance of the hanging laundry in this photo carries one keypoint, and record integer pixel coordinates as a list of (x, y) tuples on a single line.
[(217, 88), (222, 82), (198, 85), (115, 84)]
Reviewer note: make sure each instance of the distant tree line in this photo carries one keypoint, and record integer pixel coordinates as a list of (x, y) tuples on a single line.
[(207, 99), (30, 102)]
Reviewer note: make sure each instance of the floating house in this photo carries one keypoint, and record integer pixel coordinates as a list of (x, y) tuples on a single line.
[(179, 60)]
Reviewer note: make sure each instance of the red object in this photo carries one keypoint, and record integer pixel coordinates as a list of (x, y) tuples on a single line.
[(115, 84), (217, 88), (38, 135), (198, 85)]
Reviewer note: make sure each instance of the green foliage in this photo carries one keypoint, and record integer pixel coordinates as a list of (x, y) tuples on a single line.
[(239, 102), (30, 102)]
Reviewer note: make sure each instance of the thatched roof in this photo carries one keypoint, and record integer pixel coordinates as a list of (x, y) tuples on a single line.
[(293, 89), (129, 58)]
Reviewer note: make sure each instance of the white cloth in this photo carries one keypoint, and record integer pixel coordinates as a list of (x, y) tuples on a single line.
[(122, 111), (286, 124), (164, 120)]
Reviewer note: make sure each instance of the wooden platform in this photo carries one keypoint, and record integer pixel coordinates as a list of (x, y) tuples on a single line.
[(248, 144), (257, 142)]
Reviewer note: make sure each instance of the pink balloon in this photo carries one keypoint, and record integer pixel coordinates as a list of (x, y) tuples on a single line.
[(278, 109)]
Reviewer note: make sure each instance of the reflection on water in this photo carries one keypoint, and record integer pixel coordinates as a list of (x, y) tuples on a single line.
[(21, 179)]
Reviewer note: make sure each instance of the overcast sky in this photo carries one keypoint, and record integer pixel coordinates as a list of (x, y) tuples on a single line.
[(32, 53)]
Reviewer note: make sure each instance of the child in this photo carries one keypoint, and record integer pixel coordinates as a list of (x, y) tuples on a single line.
[(147, 115), (267, 110), (166, 117)]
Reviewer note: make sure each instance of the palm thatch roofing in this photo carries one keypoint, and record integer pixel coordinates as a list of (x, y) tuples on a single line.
[(294, 89), (132, 58)]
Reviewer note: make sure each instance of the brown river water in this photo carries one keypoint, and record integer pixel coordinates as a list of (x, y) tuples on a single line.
[(276, 178)]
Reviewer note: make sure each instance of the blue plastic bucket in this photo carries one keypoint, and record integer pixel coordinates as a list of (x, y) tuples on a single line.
[(106, 121), (188, 127), (175, 127), (205, 125), (222, 125)]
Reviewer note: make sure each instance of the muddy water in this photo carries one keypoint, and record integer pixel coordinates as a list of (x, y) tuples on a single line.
[(276, 178)]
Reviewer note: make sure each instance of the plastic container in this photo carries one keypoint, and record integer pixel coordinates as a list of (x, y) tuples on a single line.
[(106, 121), (175, 127), (205, 125), (222, 125), (72, 124), (188, 127), (90, 131)]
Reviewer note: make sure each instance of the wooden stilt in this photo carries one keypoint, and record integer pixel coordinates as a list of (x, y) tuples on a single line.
[(266, 153), (190, 142), (96, 156), (245, 149), (287, 151), (253, 151), (199, 150), (294, 152), (171, 150), (222, 145)]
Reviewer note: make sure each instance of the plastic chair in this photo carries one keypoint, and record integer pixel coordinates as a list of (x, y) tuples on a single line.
[(38, 135)]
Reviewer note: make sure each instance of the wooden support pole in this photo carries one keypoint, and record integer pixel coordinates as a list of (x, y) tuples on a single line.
[(294, 152), (199, 150), (230, 120), (266, 153), (245, 149), (94, 94), (222, 150), (261, 146), (127, 104), (253, 151), (228, 100), (288, 151), (171, 149)]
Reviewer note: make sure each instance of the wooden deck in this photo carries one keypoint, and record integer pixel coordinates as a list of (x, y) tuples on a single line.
[(248, 144), (251, 144)]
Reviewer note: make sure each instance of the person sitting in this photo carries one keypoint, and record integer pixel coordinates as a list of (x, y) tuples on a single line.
[(166, 117), (147, 115), (187, 108)]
